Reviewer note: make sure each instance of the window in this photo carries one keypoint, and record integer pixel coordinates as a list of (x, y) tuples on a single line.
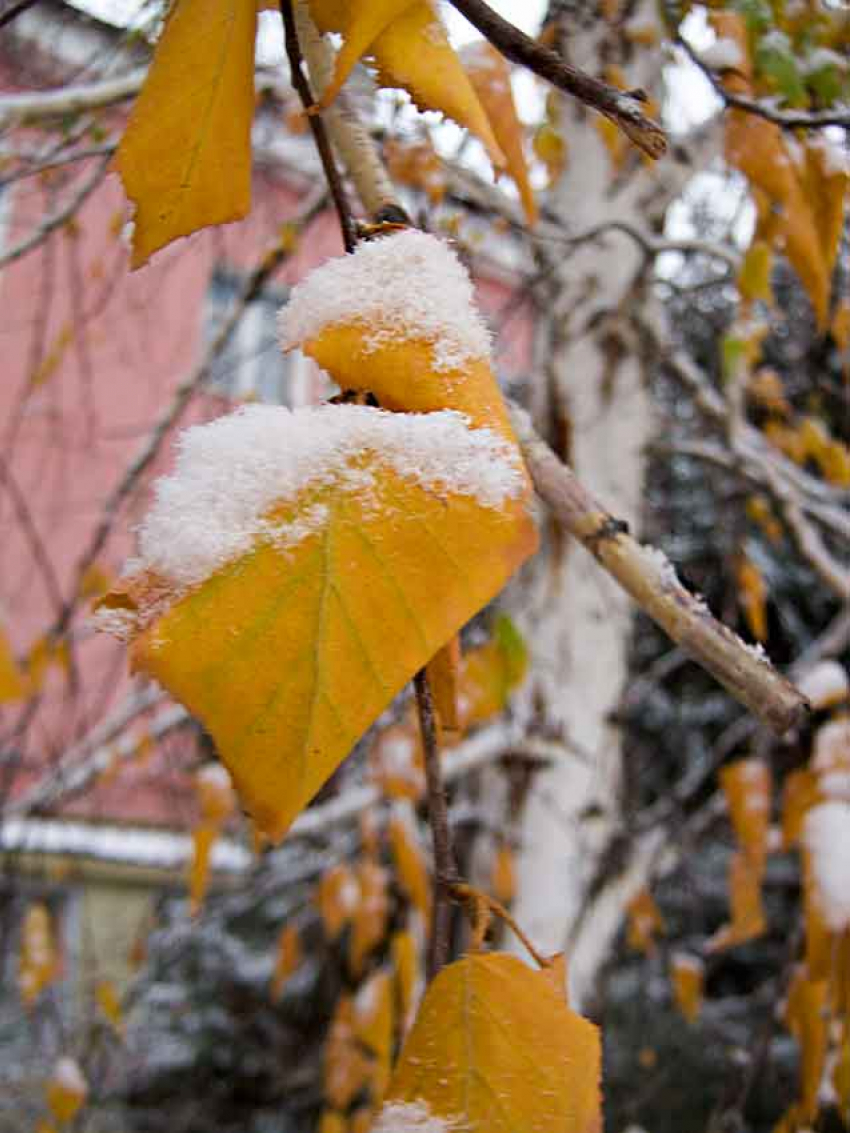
[(251, 366)]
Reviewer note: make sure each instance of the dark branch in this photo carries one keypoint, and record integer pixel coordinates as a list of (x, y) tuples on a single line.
[(622, 107), (445, 872), (320, 136), (14, 11)]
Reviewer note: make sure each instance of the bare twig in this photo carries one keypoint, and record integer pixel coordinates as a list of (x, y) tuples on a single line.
[(445, 870), (651, 581), (785, 119), (323, 145), (57, 219), (15, 10), (622, 107), (28, 109)]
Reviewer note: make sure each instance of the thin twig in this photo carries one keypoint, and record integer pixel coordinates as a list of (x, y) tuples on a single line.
[(323, 145), (14, 11), (445, 871), (622, 107)]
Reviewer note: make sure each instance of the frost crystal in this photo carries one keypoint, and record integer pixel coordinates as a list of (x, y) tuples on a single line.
[(826, 835), (410, 1117), (230, 474), (408, 286)]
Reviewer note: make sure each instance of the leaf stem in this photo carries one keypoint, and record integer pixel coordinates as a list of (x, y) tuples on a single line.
[(320, 136), (445, 870)]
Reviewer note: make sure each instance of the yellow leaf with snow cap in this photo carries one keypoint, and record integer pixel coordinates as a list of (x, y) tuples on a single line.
[(290, 565)]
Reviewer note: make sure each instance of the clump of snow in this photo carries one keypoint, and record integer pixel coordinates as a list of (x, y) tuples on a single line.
[(836, 157), (825, 684), (213, 775), (661, 564), (826, 835), (68, 1075), (722, 54), (230, 473), (687, 961), (123, 625), (410, 1117), (406, 286), (832, 746)]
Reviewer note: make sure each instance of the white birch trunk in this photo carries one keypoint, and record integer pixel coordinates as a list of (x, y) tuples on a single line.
[(577, 620)]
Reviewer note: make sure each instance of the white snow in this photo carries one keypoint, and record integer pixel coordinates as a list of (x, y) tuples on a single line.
[(68, 1075), (230, 473), (410, 1117), (407, 286), (825, 684), (214, 775), (832, 746), (721, 54), (686, 961), (836, 156), (826, 835)]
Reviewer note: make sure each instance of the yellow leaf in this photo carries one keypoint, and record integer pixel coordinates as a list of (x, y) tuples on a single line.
[(373, 1015), (687, 974), (754, 276), (185, 157), (405, 956), (287, 958), (765, 387), (805, 1014), (215, 794), (443, 672), (109, 1003), (409, 46), (503, 875), (747, 785), (346, 1068), (747, 921), (369, 922), (759, 511), (414, 53), (840, 328), (417, 165), (95, 582), (491, 78), (337, 897), (396, 762), (12, 686), (44, 655), (410, 864), (38, 960), (199, 870), (827, 184), (332, 1122), (490, 672), (645, 921), (800, 792), (752, 597), (495, 1047), (551, 149), (67, 1090)]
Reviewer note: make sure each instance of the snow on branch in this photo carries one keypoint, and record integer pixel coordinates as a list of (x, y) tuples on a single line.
[(31, 108), (650, 579)]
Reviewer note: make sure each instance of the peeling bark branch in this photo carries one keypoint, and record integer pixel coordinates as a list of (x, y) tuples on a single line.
[(650, 580), (622, 107)]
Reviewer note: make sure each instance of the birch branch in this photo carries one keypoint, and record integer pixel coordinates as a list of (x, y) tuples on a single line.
[(647, 576), (31, 108)]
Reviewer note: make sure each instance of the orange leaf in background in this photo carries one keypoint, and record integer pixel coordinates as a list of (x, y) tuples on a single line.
[(840, 327), (337, 897), (491, 1028), (38, 959), (745, 901), (754, 276), (747, 785), (417, 165), (185, 157), (491, 78), (287, 959), (346, 1069), (408, 44), (332, 1122), (109, 1002), (411, 868), (203, 839), (687, 974), (503, 875), (827, 184), (443, 672), (373, 1017), (44, 655), (12, 686), (67, 1090), (369, 922), (645, 921), (490, 673), (759, 511), (396, 762), (800, 791), (752, 596), (405, 956), (550, 148), (215, 794), (95, 581), (805, 1015)]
